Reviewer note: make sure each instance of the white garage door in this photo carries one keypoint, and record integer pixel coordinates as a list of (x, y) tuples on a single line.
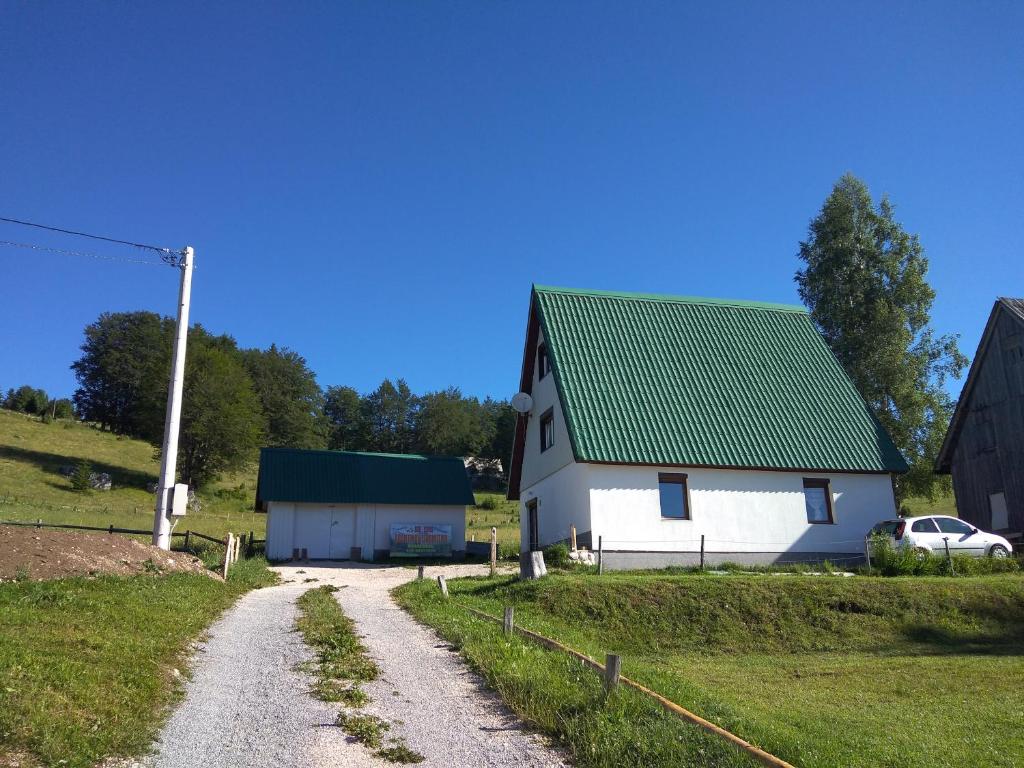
[(325, 534)]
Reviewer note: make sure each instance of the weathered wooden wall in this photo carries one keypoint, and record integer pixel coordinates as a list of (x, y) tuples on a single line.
[(989, 453)]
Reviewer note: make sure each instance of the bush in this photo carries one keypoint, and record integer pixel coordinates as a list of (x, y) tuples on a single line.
[(557, 556), (487, 502), (904, 561), (82, 476)]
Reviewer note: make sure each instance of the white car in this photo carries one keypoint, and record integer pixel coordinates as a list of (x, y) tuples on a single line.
[(929, 535)]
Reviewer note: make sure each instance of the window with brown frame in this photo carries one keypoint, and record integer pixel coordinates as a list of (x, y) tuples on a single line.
[(543, 362), (547, 429), (818, 500), (674, 496)]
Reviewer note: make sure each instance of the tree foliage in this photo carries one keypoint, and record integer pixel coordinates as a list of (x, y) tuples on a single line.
[(292, 401), (864, 281), (26, 399)]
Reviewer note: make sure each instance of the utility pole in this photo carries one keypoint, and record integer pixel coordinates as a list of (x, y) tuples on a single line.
[(172, 421)]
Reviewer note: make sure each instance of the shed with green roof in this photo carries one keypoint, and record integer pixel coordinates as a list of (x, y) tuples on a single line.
[(341, 505), (657, 420)]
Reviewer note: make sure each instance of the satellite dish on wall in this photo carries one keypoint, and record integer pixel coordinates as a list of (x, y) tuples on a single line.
[(522, 402)]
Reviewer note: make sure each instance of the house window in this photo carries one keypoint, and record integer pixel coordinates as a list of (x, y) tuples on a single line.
[(547, 429), (818, 500), (674, 496), (543, 362)]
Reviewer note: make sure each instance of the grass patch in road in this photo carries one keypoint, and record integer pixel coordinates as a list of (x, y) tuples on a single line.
[(342, 665), (87, 665), (814, 669)]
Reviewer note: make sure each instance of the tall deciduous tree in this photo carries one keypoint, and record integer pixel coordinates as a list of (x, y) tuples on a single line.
[(348, 419), (221, 419), (449, 424), (391, 413), (293, 403), (864, 282)]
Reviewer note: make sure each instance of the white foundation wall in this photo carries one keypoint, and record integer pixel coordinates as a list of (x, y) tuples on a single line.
[(372, 526), (736, 510), (563, 499)]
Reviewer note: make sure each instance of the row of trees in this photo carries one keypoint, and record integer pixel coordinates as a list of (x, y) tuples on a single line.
[(236, 400), (28, 399)]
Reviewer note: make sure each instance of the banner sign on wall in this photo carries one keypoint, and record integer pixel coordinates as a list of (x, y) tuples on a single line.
[(419, 540)]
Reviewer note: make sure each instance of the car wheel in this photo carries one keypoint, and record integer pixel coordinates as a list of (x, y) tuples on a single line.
[(998, 550)]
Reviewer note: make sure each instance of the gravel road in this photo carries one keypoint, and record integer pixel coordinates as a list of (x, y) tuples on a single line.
[(247, 704)]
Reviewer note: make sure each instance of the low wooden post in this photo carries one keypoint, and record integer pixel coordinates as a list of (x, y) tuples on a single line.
[(227, 555), (238, 549), (867, 551), (572, 537), (111, 529), (250, 550), (443, 585), (600, 555), (702, 551), (494, 550), (509, 622), (188, 541), (612, 669), (419, 573), (949, 557)]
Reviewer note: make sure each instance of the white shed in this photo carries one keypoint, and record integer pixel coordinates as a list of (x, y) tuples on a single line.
[(342, 505)]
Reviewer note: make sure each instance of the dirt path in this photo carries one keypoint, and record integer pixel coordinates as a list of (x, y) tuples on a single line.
[(247, 705)]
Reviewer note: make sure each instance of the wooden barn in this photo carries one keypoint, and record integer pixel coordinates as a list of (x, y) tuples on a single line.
[(984, 447)]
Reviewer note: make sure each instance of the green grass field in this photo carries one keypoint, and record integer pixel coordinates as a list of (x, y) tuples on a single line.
[(504, 515), (31, 488), (822, 671), (87, 665)]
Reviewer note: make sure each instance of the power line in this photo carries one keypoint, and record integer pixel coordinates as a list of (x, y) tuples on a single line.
[(158, 249), (87, 255)]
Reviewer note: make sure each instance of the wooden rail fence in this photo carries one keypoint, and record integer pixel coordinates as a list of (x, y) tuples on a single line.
[(610, 673)]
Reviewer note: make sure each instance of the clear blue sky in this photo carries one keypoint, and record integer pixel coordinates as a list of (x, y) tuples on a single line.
[(376, 185)]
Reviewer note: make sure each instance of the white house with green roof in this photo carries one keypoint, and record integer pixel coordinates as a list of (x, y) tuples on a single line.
[(342, 505), (659, 420)]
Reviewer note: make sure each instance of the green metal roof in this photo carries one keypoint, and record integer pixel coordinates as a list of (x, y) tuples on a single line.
[(668, 380), (349, 477)]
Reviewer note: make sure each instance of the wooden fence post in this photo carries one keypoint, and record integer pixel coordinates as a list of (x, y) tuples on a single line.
[(237, 552), (572, 537), (443, 585), (111, 529), (702, 551), (494, 550), (867, 551), (227, 555), (612, 668), (419, 573), (509, 622), (949, 557), (188, 541), (250, 550), (600, 555)]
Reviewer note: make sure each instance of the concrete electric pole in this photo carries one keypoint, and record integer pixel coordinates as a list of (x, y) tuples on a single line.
[(169, 457)]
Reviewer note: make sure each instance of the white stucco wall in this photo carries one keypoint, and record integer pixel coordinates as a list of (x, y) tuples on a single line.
[(563, 499), (736, 510), (536, 464), (371, 525)]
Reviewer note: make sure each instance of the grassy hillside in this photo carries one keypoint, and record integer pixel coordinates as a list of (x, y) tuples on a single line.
[(814, 669), (31, 488)]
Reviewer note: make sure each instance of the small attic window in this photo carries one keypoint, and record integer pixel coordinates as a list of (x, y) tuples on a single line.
[(543, 362)]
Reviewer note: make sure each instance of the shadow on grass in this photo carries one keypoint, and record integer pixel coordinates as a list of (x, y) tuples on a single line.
[(932, 640), (52, 462)]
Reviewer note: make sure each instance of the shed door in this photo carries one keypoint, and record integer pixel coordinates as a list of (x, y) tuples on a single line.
[(312, 529), (342, 533)]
